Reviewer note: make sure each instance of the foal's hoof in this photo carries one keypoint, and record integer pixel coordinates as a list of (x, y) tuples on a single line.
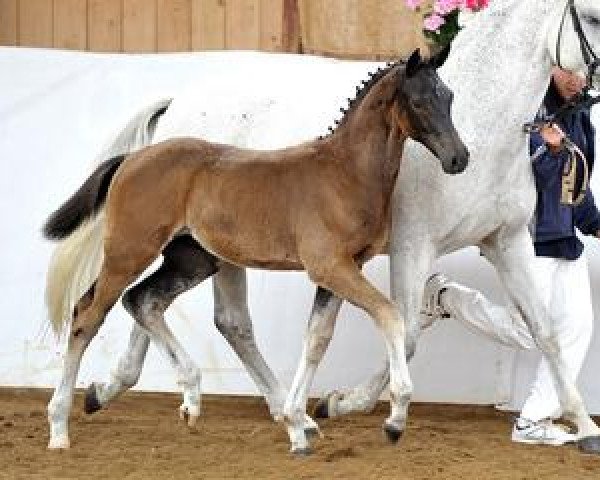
[(91, 403), (189, 415), (321, 409), (325, 408), (301, 452), (311, 428), (590, 445), (392, 433)]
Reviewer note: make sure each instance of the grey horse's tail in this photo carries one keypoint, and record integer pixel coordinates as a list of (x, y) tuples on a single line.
[(79, 223)]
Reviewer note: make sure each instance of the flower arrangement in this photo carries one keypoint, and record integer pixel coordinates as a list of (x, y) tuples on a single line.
[(440, 20)]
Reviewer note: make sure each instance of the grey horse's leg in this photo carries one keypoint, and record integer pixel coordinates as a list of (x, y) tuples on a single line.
[(512, 255), (185, 265)]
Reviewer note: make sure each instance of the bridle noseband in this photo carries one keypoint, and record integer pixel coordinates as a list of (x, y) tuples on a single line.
[(590, 58)]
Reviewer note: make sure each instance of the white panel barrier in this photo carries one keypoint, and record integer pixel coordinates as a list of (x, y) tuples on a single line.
[(57, 109)]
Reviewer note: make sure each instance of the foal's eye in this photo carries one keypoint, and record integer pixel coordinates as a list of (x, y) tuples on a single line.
[(418, 104)]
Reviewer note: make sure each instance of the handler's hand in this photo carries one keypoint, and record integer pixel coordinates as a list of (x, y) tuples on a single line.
[(553, 136)]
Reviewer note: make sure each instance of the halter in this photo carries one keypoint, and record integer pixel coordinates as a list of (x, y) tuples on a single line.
[(590, 58)]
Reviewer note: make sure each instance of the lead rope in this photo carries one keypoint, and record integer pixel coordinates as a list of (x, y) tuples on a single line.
[(569, 177)]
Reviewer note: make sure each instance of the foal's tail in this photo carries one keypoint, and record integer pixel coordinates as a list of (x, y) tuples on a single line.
[(79, 223)]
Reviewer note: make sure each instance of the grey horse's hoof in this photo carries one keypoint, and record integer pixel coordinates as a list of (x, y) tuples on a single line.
[(321, 409), (91, 403), (590, 445), (311, 432), (392, 433), (302, 452)]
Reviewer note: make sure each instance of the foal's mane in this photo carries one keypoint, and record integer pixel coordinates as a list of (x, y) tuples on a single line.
[(361, 92)]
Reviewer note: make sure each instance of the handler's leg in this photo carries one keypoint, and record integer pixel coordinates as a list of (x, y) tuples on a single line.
[(572, 314)]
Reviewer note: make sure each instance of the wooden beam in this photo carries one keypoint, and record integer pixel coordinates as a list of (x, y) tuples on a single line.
[(271, 25), (105, 23), (70, 24), (35, 27), (8, 22), (208, 24), (242, 24), (139, 26), (174, 27)]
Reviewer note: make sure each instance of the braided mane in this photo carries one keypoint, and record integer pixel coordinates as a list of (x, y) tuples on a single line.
[(361, 92)]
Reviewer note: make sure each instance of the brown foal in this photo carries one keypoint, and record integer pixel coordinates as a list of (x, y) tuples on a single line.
[(322, 206)]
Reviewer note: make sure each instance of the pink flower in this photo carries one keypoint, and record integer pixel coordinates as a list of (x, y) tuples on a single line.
[(475, 5), (413, 4), (433, 22), (444, 7)]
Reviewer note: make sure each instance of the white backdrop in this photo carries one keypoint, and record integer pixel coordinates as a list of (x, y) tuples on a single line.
[(56, 111)]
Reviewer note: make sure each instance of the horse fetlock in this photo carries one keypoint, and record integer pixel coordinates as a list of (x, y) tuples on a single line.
[(548, 343), (299, 443), (189, 414), (127, 374), (59, 442)]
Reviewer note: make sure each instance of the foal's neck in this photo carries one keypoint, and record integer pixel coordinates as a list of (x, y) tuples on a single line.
[(368, 139)]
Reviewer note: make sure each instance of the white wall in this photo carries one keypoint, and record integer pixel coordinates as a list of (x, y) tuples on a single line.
[(56, 111)]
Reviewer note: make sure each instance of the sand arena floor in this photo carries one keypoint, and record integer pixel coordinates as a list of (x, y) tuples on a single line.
[(140, 437)]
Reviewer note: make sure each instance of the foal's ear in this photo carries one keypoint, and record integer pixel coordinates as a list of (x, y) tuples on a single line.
[(438, 60), (413, 63)]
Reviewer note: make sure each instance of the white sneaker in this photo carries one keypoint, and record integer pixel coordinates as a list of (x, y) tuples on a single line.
[(431, 308), (543, 432)]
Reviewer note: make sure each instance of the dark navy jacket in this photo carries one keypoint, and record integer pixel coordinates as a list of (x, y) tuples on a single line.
[(554, 234)]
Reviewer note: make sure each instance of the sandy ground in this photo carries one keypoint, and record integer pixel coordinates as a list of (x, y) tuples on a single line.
[(139, 437)]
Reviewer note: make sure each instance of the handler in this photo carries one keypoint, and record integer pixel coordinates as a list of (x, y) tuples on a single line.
[(560, 265)]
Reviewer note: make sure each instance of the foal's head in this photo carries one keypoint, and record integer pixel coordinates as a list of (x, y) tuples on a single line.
[(422, 111)]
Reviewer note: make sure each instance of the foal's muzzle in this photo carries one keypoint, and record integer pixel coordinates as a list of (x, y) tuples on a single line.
[(456, 163)]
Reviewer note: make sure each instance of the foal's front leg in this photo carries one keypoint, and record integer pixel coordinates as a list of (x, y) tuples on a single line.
[(408, 271), (343, 277)]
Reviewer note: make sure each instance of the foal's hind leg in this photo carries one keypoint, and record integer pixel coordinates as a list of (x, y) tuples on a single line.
[(185, 265), (87, 318), (320, 330), (128, 371)]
